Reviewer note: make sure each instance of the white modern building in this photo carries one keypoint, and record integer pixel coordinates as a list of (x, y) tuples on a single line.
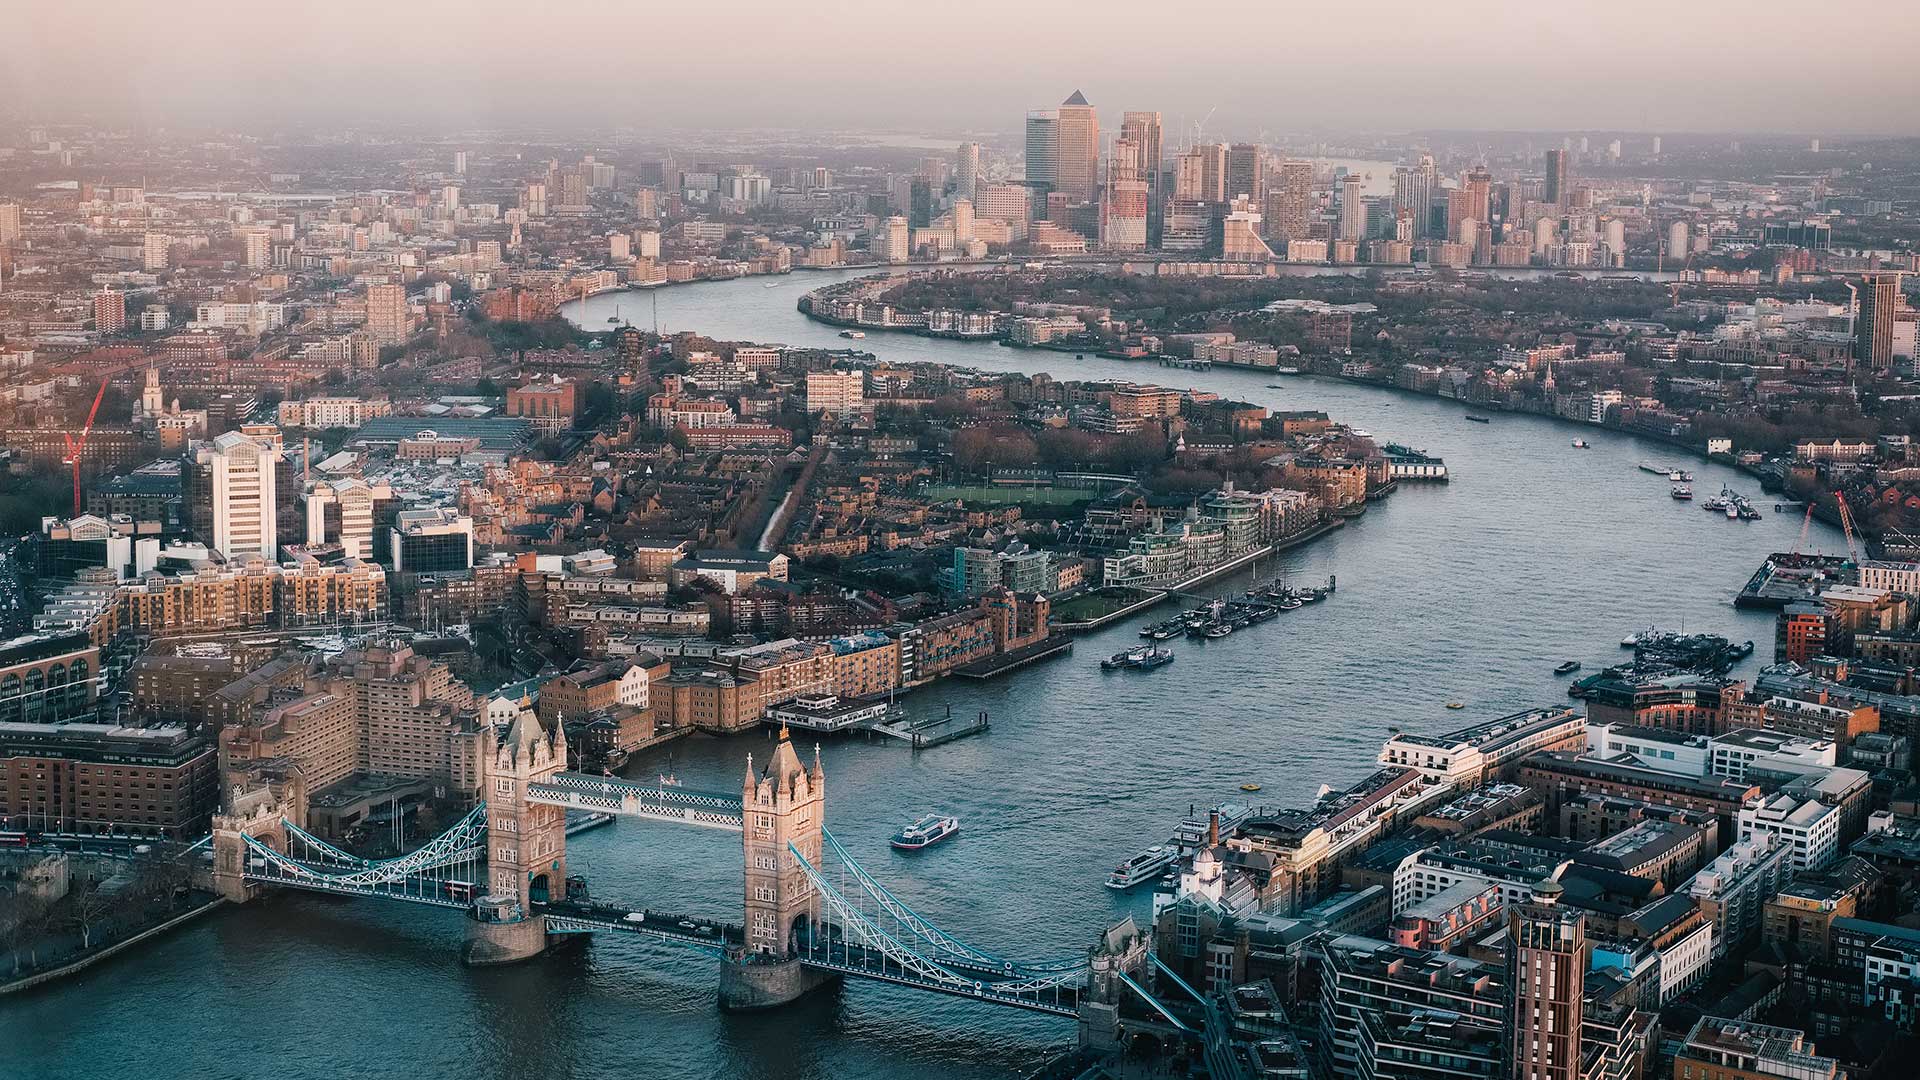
[(1808, 829), (243, 502)]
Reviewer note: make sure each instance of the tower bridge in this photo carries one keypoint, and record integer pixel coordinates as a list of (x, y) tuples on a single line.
[(810, 914)]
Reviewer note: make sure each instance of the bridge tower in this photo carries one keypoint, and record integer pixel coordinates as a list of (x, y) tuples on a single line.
[(260, 810), (526, 847), (785, 803)]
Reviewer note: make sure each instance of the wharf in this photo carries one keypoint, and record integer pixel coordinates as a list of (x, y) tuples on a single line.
[(1788, 578), (1014, 659)]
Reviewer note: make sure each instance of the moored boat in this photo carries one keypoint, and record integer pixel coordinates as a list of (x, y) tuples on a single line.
[(1142, 867), (1152, 658), (926, 832)]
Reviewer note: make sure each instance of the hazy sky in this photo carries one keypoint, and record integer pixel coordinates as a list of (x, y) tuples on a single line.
[(1273, 65)]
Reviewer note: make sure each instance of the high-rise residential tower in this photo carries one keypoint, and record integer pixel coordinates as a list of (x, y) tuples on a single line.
[(387, 318), (1546, 981), (1873, 327), (1143, 130), (1353, 208), (966, 170), (1247, 172)]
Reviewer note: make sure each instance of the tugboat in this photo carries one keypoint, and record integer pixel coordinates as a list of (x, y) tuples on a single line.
[(1567, 668), (1122, 659), (926, 832), (1682, 492), (1150, 659)]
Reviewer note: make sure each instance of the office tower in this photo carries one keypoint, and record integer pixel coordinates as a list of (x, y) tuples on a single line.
[(919, 202), (1879, 295), (154, 249), (387, 318), (966, 170), (1042, 170), (1353, 208), (9, 222), (1003, 202), (109, 311), (1290, 202), (962, 214), (460, 162), (342, 512), (1247, 172), (431, 541), (890, 240), (1077, 153), (1546, 977), (1557, 191), (241, 467)]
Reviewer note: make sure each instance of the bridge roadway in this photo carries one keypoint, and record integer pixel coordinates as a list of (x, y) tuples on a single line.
[(582, 917), (437, 892), (657, 802), (847, 957)]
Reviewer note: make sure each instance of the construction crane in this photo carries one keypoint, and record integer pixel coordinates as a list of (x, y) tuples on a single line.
[(1846, 525), (74, 449)]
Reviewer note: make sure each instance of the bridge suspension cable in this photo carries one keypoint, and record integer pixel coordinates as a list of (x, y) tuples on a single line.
[(865, 936), (426, 874), (943, 942)]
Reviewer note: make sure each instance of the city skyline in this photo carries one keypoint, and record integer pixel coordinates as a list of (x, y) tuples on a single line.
[(1640, 68)]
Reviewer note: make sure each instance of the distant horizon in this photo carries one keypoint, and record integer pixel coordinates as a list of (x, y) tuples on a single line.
[(1628, 66)]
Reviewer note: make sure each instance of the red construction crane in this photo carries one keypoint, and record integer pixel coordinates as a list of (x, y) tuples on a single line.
[(74, 449), (1846, 525)]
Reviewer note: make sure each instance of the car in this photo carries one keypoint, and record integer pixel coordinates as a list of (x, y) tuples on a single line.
[(688, 924), (634, 917)]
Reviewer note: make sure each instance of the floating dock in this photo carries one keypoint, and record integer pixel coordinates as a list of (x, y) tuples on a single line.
[(923, 734)]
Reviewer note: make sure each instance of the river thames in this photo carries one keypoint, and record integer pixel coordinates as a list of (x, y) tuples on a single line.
[(1470, 591)]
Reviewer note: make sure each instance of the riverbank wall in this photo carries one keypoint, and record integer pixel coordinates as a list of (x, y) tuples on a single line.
[(76, 966)]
